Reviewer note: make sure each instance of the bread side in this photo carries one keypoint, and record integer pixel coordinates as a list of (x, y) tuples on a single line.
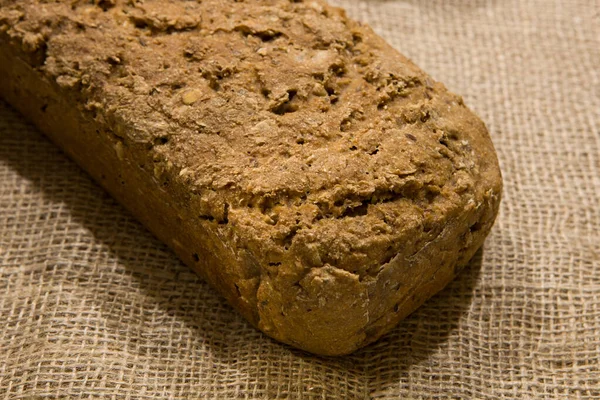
[(318, 179)]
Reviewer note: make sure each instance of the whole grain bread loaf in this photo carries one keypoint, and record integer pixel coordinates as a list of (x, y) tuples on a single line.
[(318, 179)]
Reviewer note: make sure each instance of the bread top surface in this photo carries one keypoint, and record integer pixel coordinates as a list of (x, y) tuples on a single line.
[(284, 125)]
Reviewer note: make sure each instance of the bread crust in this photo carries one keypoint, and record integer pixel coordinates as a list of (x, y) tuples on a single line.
[(319, 180)]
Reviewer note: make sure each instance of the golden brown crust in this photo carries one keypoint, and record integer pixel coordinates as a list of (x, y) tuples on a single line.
[(317, 178)]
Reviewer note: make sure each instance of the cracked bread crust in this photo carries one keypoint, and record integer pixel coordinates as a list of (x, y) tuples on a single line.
[(324, 184)]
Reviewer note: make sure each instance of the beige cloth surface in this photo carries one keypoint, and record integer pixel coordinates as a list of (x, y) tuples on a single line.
[(92, 305)]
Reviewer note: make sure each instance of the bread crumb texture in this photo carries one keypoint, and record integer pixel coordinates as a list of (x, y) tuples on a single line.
[(350, 185)]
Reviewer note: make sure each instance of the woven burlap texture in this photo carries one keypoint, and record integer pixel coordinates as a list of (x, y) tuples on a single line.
[(92, 305)]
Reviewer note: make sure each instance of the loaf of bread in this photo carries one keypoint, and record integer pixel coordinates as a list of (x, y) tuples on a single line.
[(319, 180)]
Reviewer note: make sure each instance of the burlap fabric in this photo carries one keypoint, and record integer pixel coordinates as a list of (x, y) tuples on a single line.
[(92, 305)]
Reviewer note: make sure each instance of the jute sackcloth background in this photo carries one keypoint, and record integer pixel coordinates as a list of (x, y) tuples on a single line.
[(92, 305)]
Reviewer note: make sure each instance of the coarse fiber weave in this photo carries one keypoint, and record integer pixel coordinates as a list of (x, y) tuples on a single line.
[(92, 305)]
